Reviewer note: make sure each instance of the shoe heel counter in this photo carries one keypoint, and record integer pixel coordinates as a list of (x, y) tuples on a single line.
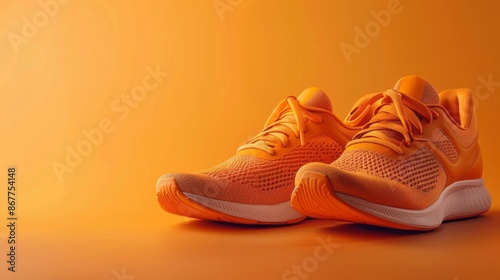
[(475, 166), (476, 169)]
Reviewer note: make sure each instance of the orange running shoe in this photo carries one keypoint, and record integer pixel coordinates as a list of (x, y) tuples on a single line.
[(255, 185), (416, 164)]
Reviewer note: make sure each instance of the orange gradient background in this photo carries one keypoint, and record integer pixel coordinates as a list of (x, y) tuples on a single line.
[(229, 63)]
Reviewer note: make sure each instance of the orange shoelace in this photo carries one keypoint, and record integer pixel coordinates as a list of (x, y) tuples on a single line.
[(288, 118), (395, 117)]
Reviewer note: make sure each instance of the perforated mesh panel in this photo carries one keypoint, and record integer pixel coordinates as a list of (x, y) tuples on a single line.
[(419, 171), (429, 95), (445, 145), (319, 100)]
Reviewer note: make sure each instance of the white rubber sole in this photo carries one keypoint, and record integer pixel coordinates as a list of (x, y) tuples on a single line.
[(460, 200), (276, 213)]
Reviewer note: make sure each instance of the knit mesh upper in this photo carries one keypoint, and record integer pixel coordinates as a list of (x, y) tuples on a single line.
[(252, 180), (419, 171)]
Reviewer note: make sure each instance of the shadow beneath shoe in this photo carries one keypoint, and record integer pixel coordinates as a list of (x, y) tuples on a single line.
[(369, 231), (306, 232), (356, 233), (206, 225), (450, 230)]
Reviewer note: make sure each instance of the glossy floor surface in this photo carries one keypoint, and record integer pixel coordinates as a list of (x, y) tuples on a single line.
[(130, 248)]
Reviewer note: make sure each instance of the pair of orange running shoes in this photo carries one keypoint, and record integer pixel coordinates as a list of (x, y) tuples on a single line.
[(406, 158)]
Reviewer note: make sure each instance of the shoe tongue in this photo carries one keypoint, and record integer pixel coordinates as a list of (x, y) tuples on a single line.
[(418, 89), (315, 97)]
